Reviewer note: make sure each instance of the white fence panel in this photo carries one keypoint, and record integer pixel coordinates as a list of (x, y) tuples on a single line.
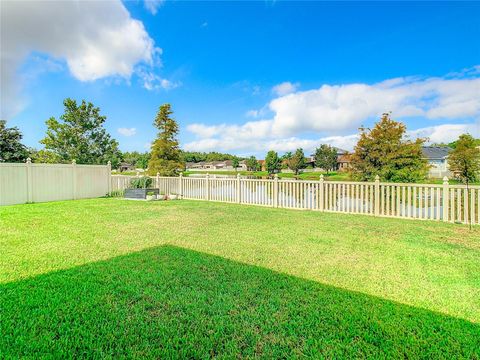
[(92, 180), (23, 183), (52, 182), (13, 184)]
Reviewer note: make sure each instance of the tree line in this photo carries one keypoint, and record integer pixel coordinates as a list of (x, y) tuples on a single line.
[(384, 150), (79, 134)]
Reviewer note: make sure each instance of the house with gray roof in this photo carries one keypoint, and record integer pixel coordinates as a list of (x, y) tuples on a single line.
[(437, 157)]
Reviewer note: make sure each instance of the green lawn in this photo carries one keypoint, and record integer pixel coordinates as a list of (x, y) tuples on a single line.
[(110, 278)]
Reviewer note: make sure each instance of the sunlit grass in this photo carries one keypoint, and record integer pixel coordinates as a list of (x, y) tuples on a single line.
[(111, 277)]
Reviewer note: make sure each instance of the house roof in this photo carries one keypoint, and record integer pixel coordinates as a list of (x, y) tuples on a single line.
[(435, 152)]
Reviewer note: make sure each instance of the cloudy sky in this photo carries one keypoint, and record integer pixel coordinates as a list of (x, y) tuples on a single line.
[(244, 77)]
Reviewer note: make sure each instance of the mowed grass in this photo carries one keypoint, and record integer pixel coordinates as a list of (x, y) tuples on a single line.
[(109, 278)]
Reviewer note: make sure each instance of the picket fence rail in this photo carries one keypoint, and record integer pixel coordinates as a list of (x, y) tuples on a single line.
[(443, 202)]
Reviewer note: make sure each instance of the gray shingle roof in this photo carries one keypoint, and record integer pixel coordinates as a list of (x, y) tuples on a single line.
[(435, 152)]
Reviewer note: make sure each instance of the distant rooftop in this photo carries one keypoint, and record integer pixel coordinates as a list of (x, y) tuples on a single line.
[(435, 152)]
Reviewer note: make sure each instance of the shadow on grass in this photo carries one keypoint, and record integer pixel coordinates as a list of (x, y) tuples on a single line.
[(170, 302)]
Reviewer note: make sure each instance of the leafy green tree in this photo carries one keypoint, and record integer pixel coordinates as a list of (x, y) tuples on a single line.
[(235, 163), (80, 135), (252, 163), (386, 152), (287, 155), (165, 156), (284, 159), (137, 159), (216, 156), (326, 157), (11, 148), (45, 157), (453, 144), (142, 161), (297, 161), (273, 163), (195, 156), (465, 159)]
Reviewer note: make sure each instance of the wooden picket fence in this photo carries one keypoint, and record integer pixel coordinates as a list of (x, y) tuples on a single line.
[(444, 202)]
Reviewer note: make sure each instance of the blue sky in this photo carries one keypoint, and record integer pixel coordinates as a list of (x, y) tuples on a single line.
[(245, 77)]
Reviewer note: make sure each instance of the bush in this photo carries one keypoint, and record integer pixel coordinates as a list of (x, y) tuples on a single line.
[(141, 183)]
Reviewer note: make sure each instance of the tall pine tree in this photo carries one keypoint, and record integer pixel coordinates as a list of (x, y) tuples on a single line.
[(166, 156)]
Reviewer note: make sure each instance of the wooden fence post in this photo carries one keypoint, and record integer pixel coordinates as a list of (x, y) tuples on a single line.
[(239, 194), (29, 181), (74, 178), (158, 181), (275, 191), (207, 181), (109, 176), (180, 187), (445, 196), (377, 195), (322, 193)]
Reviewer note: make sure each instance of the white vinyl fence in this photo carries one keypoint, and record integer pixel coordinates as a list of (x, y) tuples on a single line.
[(444, 202), (27, 182)]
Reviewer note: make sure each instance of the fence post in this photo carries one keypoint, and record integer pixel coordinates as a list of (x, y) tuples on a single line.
[(322, 193), (275, 191), (445, 196), (158, 181), (29, 181), (180, 187), (74, 178), (377, 195), (109, 176), (207, 181), (239, 194)]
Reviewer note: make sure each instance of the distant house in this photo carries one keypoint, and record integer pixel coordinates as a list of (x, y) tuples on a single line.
[(343, 159), (226, 165), (124, 166), (263, 166), (437, 157)]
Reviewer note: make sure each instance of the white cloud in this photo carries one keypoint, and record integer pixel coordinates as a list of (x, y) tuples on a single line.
[(152, 81), (446, 133), (96, 39), (281, 145), (127, 131), (285, 88), (153, 5), (343, 107), (339, 109)]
